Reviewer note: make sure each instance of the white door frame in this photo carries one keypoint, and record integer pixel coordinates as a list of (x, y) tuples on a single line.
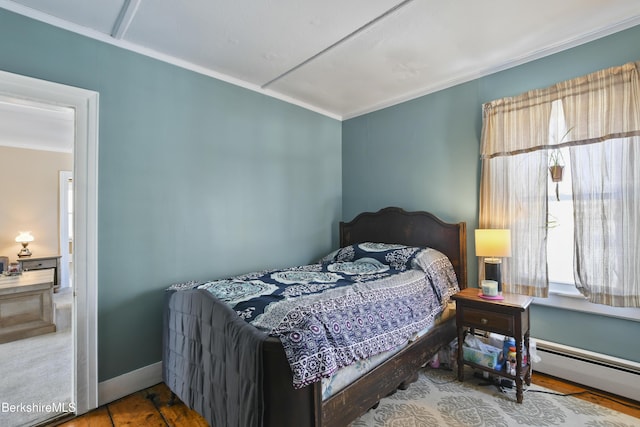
[(85, 254), (63, 179)]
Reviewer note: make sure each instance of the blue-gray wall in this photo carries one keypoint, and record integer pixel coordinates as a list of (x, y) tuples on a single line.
[(418, 155), (198, 179), (424, 154)]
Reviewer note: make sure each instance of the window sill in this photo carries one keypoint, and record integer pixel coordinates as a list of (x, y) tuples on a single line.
[(568, 298)]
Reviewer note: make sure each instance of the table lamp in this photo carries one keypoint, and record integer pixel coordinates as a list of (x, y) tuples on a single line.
[(493, 244), (24, 237)]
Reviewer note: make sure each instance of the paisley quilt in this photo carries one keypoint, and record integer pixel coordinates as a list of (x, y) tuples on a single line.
[(357, 302)]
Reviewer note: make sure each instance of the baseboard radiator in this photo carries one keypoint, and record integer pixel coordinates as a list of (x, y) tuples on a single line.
[(600, 371)]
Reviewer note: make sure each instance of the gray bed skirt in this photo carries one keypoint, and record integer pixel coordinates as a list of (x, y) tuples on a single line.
[(212, 359)]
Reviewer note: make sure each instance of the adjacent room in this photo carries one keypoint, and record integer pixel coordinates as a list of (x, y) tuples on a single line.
[(36, 155), (213, 140)]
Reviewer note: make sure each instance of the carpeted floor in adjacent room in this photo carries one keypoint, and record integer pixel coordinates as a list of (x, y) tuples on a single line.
[(37, 371)]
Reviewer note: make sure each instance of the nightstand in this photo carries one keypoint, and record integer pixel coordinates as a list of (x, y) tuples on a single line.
[(509, 317)]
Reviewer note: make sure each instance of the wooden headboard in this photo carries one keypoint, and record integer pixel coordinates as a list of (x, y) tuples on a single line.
[(395, 225)]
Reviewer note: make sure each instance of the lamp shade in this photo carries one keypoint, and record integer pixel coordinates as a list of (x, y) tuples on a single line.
[(24, 237), (495, 243)]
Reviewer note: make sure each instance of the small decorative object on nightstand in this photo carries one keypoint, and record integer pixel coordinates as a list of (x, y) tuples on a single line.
[(25, 237), (509, 317)]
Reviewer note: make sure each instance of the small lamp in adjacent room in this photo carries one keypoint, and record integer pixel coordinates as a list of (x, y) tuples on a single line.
[(24, 237), (493, 244)]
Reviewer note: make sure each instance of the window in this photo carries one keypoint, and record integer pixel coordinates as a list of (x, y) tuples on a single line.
[(584, 228), (560, 248)]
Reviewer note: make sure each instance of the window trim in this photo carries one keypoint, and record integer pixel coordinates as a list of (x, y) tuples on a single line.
[(567, 297)]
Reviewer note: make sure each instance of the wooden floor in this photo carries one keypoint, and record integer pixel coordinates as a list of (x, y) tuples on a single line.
[(150, 407)]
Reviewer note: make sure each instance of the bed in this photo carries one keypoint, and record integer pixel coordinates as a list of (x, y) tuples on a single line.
[(235, 374)]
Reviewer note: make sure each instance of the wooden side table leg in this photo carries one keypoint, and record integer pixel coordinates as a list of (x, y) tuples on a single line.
[(519, 344), (527, 377), (460, 354), (519, 393), (519, 373)]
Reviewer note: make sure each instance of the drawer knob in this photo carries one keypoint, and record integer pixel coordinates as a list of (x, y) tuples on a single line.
[(484, 321)]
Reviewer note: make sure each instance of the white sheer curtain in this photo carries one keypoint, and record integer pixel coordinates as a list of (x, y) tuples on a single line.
[(513, 188), (602, 110), (607, 221)]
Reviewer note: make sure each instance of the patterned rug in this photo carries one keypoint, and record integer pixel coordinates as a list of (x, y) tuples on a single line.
[(439, 399)]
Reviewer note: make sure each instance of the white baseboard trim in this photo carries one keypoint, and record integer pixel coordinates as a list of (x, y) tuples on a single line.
[(596, 370), (125, 384)]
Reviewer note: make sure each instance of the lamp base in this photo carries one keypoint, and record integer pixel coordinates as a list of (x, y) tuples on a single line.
[(24, 252), (492, 271)]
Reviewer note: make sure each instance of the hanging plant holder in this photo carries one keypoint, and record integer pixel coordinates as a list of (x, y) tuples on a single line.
[(556, 172), (556, 169), (556, 176), (556, 164)]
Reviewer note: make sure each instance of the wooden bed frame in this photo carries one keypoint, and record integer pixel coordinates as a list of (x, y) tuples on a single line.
[(286, 406)]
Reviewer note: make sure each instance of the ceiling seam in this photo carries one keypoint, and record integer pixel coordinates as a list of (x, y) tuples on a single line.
[(335, 44), (125, 18)]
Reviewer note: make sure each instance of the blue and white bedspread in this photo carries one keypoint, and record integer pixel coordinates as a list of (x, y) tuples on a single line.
[(358, 301)]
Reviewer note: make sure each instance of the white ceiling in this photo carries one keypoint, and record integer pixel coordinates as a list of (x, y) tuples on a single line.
[(341, 58), (36, 126)]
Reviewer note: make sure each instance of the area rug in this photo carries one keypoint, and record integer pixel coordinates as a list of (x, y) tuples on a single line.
[(439, 399)]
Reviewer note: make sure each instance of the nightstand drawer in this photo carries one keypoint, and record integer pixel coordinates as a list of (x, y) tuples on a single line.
[(487, 320), (39, 264)]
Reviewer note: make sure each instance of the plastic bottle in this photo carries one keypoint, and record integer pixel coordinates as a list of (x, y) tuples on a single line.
[(508, 342), (512, 360)]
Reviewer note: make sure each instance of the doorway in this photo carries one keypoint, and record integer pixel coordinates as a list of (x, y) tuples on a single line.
[(36, 349), (84, 257)]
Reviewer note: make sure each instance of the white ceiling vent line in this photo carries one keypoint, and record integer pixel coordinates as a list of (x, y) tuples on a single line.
[(339, 42), (128, 11)]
